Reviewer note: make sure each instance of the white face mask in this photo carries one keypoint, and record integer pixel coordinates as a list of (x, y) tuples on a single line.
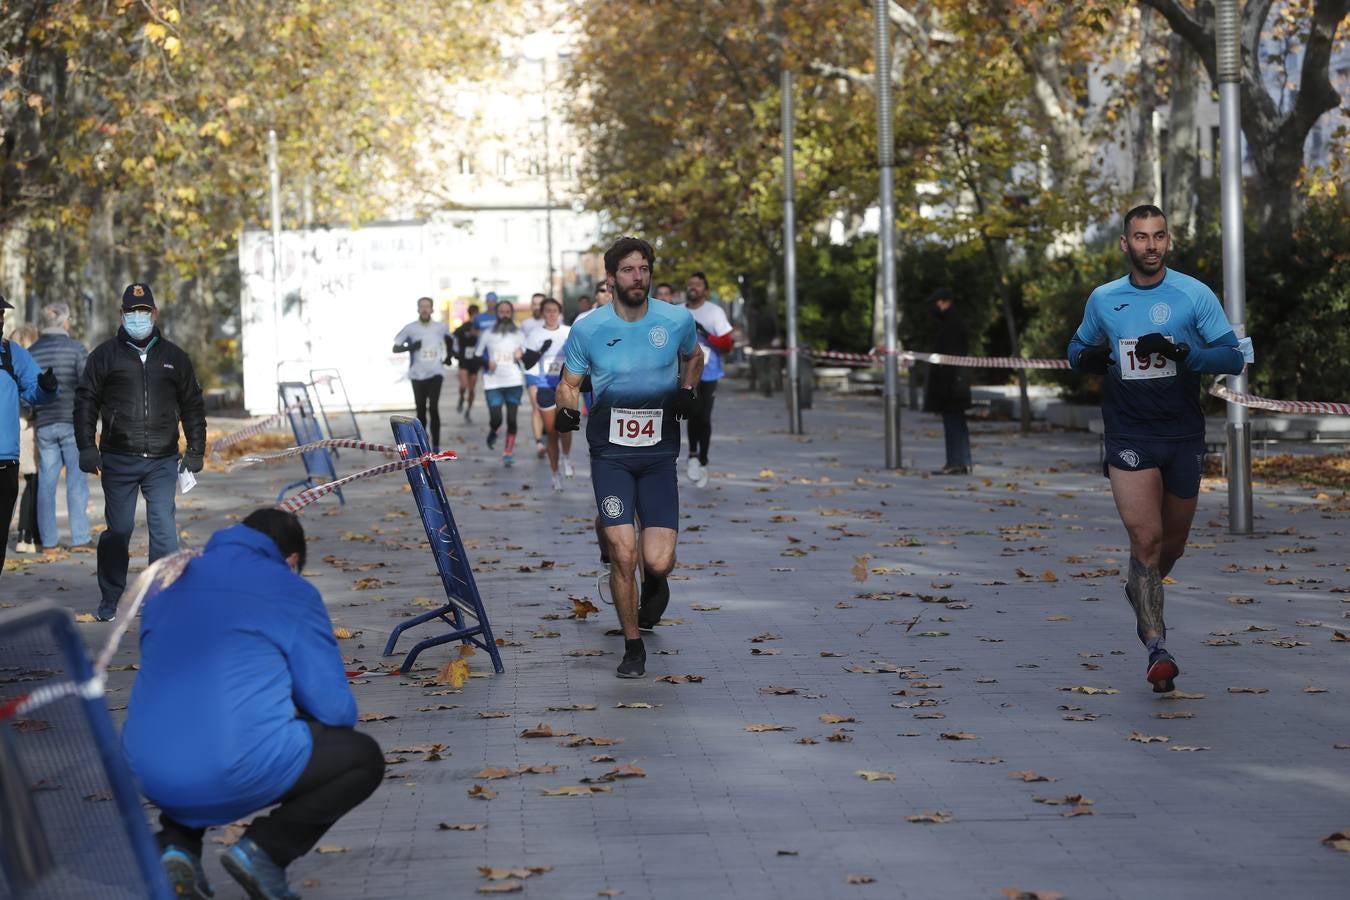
[(138, 323)]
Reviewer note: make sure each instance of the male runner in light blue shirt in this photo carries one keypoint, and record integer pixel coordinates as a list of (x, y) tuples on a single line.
[(644, 364), (1150, 334)]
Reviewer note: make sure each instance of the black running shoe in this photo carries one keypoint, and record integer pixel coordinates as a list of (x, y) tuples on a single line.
[(634, 663), (492, 438), (653, 602), (1162, 668)]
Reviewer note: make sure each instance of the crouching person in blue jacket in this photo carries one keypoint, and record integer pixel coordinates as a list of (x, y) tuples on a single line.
[(241, 703)]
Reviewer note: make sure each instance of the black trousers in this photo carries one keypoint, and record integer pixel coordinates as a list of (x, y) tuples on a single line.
[(28, 519), (427, 397), (9, 492), (700, 422), (344, 769)]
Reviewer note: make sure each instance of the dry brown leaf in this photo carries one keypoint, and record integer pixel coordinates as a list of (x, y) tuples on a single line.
[(1248, 690), (1141, 738), (1085, 689), (494, 874), (582, 607), (375, 717), (860, 570), (1067, 800), (1174, 715), (764, 651), (493, 714), (585, 651), (766, 726), (984, 761), (542, 730), (577, 790), (481, 793), (835, 718), (1049, 576), (765, 636), (452, 673), (578, 741), (1029, 776), (461, 826), (491, 774), (1338, 840), (329, 848), (1339, 636), (1182, 695), (343, 634), (681, 679), (933, 817), (502, 887), (1185, 749), (859, 879), (778, 690), (870, 775), (702, 607), (1013, 893), (840, 737)]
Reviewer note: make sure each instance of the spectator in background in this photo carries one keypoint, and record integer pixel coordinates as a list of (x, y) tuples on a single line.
[(26, 538), (65, 356), (584, 304), (948, 387), (20, 381)]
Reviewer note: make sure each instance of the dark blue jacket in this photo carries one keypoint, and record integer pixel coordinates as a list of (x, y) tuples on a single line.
[(21, 387), (229, 653)]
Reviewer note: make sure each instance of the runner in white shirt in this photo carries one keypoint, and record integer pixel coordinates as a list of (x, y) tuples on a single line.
[(427, 344), (503, 347), (714, 339), (548, 341), (528, 328)]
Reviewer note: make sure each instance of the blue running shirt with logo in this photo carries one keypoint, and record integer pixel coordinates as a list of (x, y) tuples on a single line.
[(635, 372), (1151, 397)]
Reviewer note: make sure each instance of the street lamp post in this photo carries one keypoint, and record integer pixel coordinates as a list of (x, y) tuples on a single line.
[(790, 261), (886, 162)]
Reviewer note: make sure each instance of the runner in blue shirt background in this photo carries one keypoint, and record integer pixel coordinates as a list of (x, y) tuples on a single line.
[(1150, 334), (644, 364)]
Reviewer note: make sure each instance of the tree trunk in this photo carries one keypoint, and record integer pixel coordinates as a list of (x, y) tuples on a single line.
[(1182, 151), (1005, 295), (1144, 180)]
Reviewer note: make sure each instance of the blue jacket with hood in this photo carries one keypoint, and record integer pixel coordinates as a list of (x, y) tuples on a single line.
[(21, 388), (232, 654)]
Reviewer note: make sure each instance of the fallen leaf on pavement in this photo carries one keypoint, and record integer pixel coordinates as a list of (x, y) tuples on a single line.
[(574, 707), (494, 714), (576, 741), (1338, 840), (700, 607), (1013, 893), (859, 879), (1185, 749), (490, 774), (934, 817), (636, 705), (461, 826), (681, 679), (1068, 800), (764, 651), (375, 717), (1248, 690), (452, 673), (778, 690), (342, 634), (958, 736), (542, 730), (766, 726), (1140, 737), (869, 775), (585, 651), (1029, 776), (840, 737), (502, 887), (860, 570), (1174, 715), (1182, 695), (329, 848), (1084, 689), (582, 607), (577, 790), (765, 636), (835, 718), (983, 761), (480, 792)]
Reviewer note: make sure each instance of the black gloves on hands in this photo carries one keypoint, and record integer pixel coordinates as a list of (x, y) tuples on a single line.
[(567, 420), (531, 357), (1095, 359), (685, 400), (91, 460), (408, 346), (1154, 344), (47, 380), (193, 461)]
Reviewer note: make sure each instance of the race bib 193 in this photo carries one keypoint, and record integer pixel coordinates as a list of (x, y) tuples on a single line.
[(1133, 366), (634, 427)]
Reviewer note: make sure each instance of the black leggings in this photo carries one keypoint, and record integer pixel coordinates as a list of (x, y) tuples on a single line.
[(427, 396), (344, 769), (700, 422), (28, 519), (9, 492), (495, 417)]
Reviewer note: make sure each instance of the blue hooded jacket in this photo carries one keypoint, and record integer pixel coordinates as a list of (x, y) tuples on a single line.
[(22, 387), (229, 653)]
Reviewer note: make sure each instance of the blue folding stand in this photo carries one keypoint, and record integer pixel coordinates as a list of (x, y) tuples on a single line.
[(306, 429), (71, 822), (463, 611), (342, 421)]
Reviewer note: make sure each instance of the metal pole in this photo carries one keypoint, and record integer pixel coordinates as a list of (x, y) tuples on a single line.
[(1229, 58), (886, 161), (790, 261), (274, 171)]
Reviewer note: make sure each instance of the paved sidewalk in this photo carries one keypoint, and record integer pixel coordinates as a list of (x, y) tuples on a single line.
[(874, 616)]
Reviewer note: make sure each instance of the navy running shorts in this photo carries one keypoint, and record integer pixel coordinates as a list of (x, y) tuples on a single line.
[(645, 486), (510, 396), (1179, 461), (546, 397)]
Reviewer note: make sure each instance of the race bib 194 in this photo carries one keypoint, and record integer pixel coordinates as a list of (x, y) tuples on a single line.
[(1134, 366), (634, 427)]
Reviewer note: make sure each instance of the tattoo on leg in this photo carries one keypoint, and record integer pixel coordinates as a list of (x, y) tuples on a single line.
[(1144, 588)]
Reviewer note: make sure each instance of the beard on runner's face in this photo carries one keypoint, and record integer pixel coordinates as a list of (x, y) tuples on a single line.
[(1148, 261)]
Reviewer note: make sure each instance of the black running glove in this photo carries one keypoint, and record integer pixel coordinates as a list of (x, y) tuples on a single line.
[(530, 357), (1095, 359), (193, 460), (47, 380), (685, 401), (408, 346), (567, 420), (1154, 344), (91, 460)]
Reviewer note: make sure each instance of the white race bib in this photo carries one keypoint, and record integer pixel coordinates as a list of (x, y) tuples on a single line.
[(554, 366), (430, 354), (634, 427), (1133, 367), (707, 352)]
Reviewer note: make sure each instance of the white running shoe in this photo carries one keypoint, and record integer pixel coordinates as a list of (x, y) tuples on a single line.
[(702, 479), (694, 470), (557, 482), (568, 471), (602, 586)]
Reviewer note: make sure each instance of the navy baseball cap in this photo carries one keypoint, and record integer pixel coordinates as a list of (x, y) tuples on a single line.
[(137, 295)]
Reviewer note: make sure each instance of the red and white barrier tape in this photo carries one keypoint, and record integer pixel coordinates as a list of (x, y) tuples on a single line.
[(1305, 407), (346, 443), (985, 362), (256, 428), (306, 497)]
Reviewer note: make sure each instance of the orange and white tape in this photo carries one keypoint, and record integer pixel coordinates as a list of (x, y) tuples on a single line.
[(308, 496)]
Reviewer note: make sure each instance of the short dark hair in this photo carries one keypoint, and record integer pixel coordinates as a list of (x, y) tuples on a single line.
[(473, 309), (700, 276), (1143, 211), (548, 300), (942, 293), (428, 299), (664, 284), (282, 527), (539, 295), (624, 246)]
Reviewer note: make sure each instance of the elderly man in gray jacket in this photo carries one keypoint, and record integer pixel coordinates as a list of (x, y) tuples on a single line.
[(65, 356)]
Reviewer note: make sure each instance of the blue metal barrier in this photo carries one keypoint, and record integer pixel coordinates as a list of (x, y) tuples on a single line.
[(306, 428), (336, 408), (463, 610), (71, 821)]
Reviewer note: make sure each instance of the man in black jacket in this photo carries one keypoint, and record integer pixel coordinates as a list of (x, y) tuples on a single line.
[(948, 388), (142, 386)]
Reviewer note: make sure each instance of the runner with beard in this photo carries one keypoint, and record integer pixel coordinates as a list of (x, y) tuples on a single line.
[(1151, 334), (502, 349), (644, 365)]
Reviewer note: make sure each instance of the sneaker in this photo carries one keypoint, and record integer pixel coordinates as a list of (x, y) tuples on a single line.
[(702, 479), (634, 663), (468, 417), (508, 460), (492, 438), (262, 879), (106, 615), (557, 482), (186, 876), (694, 469), (1162, 668), (568, 471), (953, 470), (602, 587), (459, 407), (653, 602), (25, 547), (540, 450)]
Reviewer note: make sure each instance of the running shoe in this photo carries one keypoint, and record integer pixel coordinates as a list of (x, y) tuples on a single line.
[(492, 439), (459, 407), (694, 470), (25, 547), (568, 471), (262, 879), (186, 876), (653, 602), (602, 587), (468, 417), (634, 663), (508, 460), (1162, 668), (557, 482), (540, 450), (702, 479)]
